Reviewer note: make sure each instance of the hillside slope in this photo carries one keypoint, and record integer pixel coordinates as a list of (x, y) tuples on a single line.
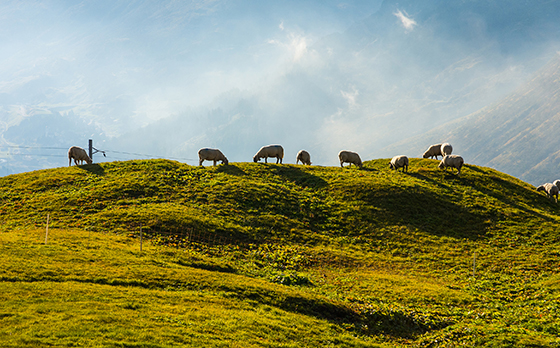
[(516, 135), (369, 257)]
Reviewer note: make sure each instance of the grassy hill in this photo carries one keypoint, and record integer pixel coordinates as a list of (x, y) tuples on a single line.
[(265, 255)]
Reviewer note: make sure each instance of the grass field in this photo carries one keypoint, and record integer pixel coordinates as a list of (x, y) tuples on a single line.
[(255, 255)]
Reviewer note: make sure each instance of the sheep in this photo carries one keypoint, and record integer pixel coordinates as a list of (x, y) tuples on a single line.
[(446, 149), (557, 183), (304, 157), (551, 191), (433, 151), (453, 161), (349, 157), (76, 153), (270, 151), (207, 154), (399, 162)]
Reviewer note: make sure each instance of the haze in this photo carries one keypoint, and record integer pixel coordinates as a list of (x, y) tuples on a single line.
[(162, 79)]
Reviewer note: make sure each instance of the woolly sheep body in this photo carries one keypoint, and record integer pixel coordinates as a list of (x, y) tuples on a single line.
[(349, 157), (76, 153), (446, 149), (304, 157), (433, 151), (399, 162), (270, 151), (551, 190), (453, 161), (207, 154)]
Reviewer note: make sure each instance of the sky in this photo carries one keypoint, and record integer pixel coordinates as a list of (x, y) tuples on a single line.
[(128, 63), (169, 77)]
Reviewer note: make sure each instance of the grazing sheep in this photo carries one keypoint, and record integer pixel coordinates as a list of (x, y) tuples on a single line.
[(304, 157), (551, 190), (349, 157), (207, 154), (433, 151), (399, 162), (453, 161), (76, 153), (446, 149), (270, 151)]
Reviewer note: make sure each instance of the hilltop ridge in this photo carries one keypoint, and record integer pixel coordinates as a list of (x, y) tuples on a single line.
[(258, 201)]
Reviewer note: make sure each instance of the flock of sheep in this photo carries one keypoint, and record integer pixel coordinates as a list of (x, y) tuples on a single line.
[(277, 151), (448, 160)]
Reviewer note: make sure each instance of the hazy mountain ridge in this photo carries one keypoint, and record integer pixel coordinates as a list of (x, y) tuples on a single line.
[(421, 80), (400, 72), (517, 135)]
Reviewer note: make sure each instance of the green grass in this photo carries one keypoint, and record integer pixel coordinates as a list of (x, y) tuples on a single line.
[(276, 256)]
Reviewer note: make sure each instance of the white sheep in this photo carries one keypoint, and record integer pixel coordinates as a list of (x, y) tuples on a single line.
[(551, 190), (207, 154), (304, 157), (446, 149), (349, 157), (453, 161), (76, 153), (433, 151), (399, 162), (270, 151)]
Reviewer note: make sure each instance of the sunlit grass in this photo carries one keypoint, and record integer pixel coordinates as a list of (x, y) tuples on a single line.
[(276, 255)]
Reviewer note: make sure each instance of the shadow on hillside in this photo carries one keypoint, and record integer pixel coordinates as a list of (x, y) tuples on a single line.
[(298, 176), (96, 169), (231, 169), (427, 179), (395, 323), (505, 195), (427, 211)]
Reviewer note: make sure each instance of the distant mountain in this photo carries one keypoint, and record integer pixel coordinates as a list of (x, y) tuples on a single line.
[(403, 71), (406, 69), (518, 135)]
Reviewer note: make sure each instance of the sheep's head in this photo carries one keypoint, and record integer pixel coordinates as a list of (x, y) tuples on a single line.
[(426, 155), (225, 161), (540, 188), (441, 165), (391, 166), (255, 158), (88, 160)]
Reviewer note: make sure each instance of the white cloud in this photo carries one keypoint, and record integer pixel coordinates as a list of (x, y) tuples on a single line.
[(281, 26), (295, 44), (351, 97), (407, 22)]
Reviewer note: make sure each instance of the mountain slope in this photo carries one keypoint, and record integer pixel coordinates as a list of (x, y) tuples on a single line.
[(517, 135)]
